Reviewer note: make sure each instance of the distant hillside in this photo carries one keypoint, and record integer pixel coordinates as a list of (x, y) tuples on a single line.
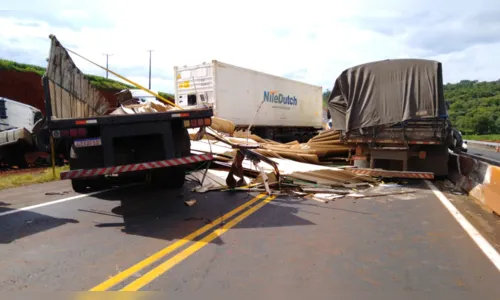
[(475, 106), (97, 81)]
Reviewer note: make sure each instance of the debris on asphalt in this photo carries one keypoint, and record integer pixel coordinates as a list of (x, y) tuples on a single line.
[(190, 202), (247, 162), (300, 194), (326, 190), (322, 197), (56, 193)]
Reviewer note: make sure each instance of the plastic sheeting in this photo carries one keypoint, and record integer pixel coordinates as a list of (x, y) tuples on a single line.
[(387, 92), (71, 94)]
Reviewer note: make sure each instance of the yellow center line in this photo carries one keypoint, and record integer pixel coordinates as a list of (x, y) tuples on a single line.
[(167, 265), (158, 255)]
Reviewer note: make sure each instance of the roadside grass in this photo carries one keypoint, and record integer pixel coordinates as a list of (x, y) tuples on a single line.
[(98, 82), (15, 66), (27, 178), (487, 137)]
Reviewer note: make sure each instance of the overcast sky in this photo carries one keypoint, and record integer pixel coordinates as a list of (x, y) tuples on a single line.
[(312, 41)]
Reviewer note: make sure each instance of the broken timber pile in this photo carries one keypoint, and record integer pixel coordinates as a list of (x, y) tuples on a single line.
[(321, 149), (291, 166), (299, 165)]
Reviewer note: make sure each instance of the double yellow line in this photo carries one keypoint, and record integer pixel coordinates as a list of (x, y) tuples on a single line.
[(168, 264)]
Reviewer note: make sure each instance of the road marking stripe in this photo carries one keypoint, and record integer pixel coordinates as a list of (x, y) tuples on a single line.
[(58, 201), (167, 265), (160, 254), (480, 241)]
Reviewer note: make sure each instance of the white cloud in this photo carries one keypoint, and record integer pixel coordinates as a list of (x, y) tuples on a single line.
[(315, 40)]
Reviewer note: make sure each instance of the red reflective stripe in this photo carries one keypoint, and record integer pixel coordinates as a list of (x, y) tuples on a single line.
[(135, 167)]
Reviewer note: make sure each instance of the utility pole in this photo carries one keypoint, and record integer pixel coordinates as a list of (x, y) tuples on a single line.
[(150, 68), (107, 57)]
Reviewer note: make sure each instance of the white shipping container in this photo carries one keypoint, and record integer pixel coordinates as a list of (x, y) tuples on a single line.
[(235, 93)]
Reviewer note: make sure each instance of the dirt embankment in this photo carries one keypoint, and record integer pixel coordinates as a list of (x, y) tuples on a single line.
[(26, 87)]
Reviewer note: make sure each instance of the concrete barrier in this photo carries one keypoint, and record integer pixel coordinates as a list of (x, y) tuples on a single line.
[(479, 179)]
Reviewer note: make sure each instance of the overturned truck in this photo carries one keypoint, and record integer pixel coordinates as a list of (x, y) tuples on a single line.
[(394, 115)]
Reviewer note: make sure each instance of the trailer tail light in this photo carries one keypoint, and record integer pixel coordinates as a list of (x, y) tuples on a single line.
[(197, 123), (180, 115), (73, 132), (86, 122)]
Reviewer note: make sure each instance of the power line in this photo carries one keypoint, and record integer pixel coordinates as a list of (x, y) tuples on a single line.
[(150, 68), (107, 57)]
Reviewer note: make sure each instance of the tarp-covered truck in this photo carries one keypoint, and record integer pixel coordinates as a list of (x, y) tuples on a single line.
[(155, 143), (393, 113), (277, 108)]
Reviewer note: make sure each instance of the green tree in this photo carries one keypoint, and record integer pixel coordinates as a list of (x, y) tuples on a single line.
[(326, 95), (475, 106)]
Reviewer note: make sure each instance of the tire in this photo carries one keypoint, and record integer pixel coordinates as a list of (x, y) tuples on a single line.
[(169, 178), (362, 164), (20, 160), (306, 137), (174, 177), (79, 185), (435, 162)]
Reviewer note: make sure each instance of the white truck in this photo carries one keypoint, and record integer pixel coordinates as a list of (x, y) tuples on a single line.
[(17, 121), (277, 108)]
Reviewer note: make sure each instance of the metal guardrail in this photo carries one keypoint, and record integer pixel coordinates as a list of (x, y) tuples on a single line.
[(488, 144), (483, 159)]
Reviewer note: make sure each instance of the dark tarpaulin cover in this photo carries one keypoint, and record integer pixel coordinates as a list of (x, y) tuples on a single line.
[(387, 92)]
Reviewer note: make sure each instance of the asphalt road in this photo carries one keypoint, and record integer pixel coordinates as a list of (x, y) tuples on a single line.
[(484, 152), (397, 246)]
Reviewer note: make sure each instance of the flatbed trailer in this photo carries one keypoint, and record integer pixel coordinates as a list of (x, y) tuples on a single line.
[(157, 144)]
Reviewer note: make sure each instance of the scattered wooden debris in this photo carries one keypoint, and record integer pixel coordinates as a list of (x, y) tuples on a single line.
[(326, 190), (190, 202), (368, 195), (264, 163), (325, 198)]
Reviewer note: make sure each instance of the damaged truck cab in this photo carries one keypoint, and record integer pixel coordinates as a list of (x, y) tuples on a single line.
[(393, 115)]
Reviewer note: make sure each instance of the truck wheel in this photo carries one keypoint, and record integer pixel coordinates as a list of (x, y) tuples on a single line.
[(435, 162), (176, 178), (79, 185), (362, 164), (169, 178), (306, 137)]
